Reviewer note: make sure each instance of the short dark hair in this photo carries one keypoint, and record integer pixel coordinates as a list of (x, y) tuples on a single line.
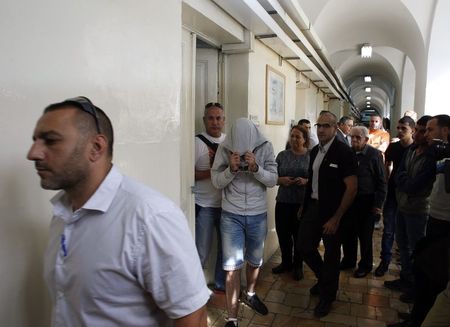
[(304, 132), (303, 121), (407, 120), (442, 120), (89, 121), (344, 119), (423, 120), (329, 113), (212, 104)]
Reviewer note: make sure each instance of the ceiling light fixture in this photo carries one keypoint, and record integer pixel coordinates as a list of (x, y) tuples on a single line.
[(368, 89), (366, 51), (368, 98), (368, 106), (367, 102), (367, 79)]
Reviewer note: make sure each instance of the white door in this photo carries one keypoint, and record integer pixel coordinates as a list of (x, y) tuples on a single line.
[(187, 125), (206, 82)]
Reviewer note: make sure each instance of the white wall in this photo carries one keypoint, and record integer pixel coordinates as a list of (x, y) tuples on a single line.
[(277, 134), (438, 64), (112, 52)]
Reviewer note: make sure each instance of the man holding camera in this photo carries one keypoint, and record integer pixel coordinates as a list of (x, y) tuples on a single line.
[(437, 135), (243, 169), (207, 197)]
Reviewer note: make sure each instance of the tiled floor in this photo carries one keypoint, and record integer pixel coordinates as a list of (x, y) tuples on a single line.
[(361, 302)]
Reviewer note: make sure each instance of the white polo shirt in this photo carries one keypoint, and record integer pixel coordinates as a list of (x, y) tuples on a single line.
[(126, 258)]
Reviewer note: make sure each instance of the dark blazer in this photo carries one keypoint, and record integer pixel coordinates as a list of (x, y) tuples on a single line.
[(340, 136), (338, 163)]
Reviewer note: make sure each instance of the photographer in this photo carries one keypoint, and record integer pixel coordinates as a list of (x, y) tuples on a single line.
[(437, 135)]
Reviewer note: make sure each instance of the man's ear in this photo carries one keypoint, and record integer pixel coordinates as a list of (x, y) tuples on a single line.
[(99, 146)]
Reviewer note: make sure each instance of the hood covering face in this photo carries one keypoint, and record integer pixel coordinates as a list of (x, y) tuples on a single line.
[(244, 136)]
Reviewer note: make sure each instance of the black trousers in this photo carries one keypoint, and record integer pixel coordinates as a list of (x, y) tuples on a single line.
[(286, 225), (358, 223), (309, 236)]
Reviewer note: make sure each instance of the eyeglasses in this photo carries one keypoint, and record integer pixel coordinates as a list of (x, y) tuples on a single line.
[(213, 104), (86, 105), (323, 125)]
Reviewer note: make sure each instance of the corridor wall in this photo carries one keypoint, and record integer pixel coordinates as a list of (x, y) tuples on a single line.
[(112, 52)]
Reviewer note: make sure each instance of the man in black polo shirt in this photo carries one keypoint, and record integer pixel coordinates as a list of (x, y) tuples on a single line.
[(330, 192), (393, 157)]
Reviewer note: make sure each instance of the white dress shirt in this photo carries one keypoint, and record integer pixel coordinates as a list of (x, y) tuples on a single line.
[(316, 167), (126, 258)]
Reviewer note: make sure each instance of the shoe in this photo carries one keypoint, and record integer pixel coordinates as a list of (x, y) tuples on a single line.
[(218, 290), (344, 266), (322, 308), (256, 304), (404, 315), (280, 269), (382, 268), (297, 274), (315, 289), (397, 285), (407, 296), (231, 324), (360, 273)]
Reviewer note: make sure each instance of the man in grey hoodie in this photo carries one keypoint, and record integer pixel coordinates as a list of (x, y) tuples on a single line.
[(243, 168)]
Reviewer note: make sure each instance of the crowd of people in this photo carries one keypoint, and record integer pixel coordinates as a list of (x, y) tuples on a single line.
[(122, 254)]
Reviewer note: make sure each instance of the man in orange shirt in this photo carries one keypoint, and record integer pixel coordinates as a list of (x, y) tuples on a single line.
[(378, 138)]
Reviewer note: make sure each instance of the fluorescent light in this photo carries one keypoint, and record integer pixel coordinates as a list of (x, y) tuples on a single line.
[(368, 106), (366, 51), (367, 79), (368, 98), (368, 89), (367, 102)]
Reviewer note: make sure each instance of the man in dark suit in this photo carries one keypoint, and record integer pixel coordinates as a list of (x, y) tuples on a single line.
[(345, 124), (330, 192)]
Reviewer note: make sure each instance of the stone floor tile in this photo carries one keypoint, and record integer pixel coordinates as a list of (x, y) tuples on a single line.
[(282, 320), (348, 296), (376, 300), (398, 305), (363, 322), (357, 281), (311, 323), (379, 291), (375, 283), (276, 296), (340, 319), (264, 320), (303, 314), (386, 314), (279, 308), (341, 307), (296, 300), (363, 310), (333, 324)]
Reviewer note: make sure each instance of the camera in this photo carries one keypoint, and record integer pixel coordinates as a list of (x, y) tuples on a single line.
[(243, 165), (441, 150)]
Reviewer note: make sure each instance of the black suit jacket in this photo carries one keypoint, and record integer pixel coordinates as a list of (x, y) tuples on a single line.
[(339, 162), (340, 136)]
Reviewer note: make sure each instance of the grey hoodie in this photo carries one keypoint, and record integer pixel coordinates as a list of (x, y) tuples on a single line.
[(244, 192)]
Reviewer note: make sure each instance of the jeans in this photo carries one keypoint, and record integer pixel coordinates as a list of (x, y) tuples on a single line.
[(389, 214), (206, 220), (242, 233), (410, 229)]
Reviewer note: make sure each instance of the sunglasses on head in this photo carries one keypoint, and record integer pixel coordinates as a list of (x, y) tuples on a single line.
[(213, 104), (86, 105)]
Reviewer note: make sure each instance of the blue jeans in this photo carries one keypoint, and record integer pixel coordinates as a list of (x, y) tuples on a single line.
[(389, 214), (242, 234), (206, 220), (410, 229)]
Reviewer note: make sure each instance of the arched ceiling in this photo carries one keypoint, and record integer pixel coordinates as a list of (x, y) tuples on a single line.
[(396, 29)]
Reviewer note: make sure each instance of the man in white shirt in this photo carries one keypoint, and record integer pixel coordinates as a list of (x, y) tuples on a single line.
[(119, 253), (207, 198)]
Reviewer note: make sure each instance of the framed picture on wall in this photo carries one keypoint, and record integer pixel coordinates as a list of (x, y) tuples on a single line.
[(275, 82)]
